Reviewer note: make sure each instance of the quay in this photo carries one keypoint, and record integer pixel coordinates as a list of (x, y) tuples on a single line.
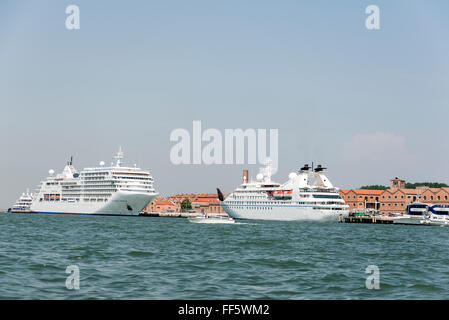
[(369, 219)]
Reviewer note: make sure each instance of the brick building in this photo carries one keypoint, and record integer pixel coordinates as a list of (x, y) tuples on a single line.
[(201, 203), (395, 199), (161, 205)]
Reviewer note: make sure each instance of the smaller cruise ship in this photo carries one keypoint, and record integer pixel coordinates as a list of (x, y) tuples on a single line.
[(307, 195), (24, 202)]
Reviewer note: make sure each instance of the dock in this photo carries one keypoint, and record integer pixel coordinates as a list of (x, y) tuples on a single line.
[(369, 219)]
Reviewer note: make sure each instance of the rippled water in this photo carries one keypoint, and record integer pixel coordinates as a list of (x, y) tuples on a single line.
[(170, 258)]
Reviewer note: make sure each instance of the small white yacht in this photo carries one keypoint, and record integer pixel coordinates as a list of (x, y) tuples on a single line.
[(211, 219)]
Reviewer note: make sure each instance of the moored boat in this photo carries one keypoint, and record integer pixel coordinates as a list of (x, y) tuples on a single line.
[(417, 214), (102, 190), (23, 203)]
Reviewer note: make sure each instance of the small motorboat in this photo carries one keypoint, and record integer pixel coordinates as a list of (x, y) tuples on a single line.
[(211, 219)]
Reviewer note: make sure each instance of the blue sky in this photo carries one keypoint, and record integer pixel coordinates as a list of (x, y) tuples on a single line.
[(370, 105)]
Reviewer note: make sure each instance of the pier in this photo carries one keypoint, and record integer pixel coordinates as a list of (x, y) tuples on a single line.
[(369, 219)]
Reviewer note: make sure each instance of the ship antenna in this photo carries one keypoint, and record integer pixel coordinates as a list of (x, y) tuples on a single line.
[(119, 157)]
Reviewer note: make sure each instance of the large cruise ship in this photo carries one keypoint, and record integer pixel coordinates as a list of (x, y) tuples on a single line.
[(307, 195), (114, 190)]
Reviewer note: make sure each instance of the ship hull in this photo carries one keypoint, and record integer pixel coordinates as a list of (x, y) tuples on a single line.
[(285, 213), (122, 203)]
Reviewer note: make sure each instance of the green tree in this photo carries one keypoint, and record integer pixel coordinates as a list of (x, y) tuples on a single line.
[(186, 205), (426, 184), (374, 187)]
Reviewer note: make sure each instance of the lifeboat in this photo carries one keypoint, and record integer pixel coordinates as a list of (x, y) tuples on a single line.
[(283, 194), (278, 194), (288, 194)]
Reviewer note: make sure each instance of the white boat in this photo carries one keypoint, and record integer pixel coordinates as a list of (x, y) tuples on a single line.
[(114, 190), (417, 214), (211, 219), (439, 215), (308, 195), (24, 202)]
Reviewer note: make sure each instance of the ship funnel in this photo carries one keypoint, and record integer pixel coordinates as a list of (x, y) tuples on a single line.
[(245, 176), (319, 168), (220, 195)]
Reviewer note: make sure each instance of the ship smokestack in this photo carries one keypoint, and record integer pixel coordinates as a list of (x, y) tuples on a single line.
[(220, 195), (245, 176)]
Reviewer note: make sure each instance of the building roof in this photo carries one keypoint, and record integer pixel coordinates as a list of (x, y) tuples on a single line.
[(160, 201), (367, 192), (411, 191)]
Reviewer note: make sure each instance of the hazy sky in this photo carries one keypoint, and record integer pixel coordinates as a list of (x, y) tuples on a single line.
[(370, 105)]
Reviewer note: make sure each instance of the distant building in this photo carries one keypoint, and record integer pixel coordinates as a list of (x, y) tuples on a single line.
[(201, 203), (161, 205), (361, 198), (397, 183), (395, 199)]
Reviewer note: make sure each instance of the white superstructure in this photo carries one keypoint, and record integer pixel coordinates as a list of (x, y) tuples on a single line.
[(308, 195), (24, 202), (439, 215), (114, 190)]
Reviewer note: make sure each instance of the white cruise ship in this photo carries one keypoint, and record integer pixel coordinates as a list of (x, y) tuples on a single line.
[(114, 190), (308, 195), (24, 202)]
